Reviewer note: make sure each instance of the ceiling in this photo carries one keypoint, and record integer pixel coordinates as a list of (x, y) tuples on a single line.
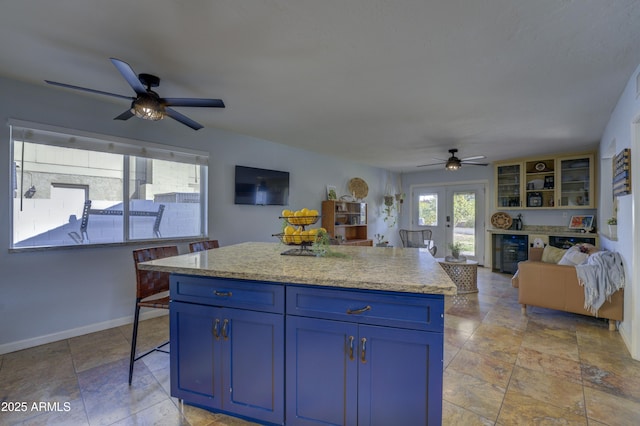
[(390, 83)]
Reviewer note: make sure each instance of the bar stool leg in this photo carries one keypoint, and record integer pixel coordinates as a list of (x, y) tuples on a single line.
[(134, 338)]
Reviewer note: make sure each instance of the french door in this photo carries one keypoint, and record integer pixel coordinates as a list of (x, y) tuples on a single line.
[(455, 214)]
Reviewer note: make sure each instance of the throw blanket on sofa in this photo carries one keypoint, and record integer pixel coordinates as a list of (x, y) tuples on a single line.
[(601, 276)]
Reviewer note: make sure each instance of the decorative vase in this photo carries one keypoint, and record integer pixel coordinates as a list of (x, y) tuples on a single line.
[(455, 253), (613, 230)]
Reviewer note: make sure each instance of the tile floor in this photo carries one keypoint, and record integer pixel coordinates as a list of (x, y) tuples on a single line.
[(500, 369)]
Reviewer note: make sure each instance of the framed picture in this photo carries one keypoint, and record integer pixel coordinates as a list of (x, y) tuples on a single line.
[(331, 193), (581, 222)]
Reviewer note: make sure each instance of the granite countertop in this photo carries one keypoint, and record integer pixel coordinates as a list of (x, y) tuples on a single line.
[(372, 268)]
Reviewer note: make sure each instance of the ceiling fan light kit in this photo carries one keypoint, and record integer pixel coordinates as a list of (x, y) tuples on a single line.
[(147, 104), (453, 164), (148, 107)]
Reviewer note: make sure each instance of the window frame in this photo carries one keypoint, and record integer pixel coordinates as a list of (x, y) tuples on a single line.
[(129, 149)]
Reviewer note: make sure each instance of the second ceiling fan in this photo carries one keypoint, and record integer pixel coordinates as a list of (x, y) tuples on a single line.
[(147, 104), (454, 163)]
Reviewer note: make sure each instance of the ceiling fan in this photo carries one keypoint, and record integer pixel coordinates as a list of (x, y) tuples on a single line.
[(454, 163), (147, 104)]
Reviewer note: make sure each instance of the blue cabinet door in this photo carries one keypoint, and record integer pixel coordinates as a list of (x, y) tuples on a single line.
[(400, 376), (253, 364), (321, 372), (228, 360), (340, 373), (195, 355)]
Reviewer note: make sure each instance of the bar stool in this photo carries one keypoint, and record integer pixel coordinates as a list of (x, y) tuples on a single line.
[(421, 238), (203, 245), (149, 288)]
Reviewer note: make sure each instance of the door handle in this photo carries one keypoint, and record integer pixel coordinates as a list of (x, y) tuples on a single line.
[(363, 350), (225, 329), (216, 329), (351, 339)]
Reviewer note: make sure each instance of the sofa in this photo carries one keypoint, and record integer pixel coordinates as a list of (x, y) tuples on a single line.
[(554, 286)]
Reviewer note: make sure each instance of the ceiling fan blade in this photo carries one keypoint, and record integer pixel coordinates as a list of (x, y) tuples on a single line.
[(182, 118), (125, 115), (99, 92), (432, 164), (477, 157), (129, 75), (193, 102), (475, 164)]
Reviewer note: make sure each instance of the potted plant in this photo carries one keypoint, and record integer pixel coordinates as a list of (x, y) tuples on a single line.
[(455, 249), (613, 226), (389, 217), (380, 242)]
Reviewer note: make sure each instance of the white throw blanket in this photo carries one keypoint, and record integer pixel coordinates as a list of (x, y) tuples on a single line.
[(601, 276)]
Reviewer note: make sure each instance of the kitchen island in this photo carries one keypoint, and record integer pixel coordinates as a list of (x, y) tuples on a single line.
[(356, 339)]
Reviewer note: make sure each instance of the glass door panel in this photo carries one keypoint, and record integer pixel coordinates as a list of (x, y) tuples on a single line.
[(464, 221), (508, 187), (575, 182)]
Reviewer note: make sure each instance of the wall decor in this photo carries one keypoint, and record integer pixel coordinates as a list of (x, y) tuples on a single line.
[(622, 173), (331, 193), (583, 222)]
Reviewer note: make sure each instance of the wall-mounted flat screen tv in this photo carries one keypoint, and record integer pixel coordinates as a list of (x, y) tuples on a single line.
[(261, 186)]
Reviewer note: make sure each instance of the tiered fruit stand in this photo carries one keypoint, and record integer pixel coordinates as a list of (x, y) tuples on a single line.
[(302, 243)]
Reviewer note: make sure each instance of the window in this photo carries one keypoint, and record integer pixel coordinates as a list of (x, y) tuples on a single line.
[(69, 189), (428, 209)]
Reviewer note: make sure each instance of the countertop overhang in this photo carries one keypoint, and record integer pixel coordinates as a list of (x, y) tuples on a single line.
[(406, 270)]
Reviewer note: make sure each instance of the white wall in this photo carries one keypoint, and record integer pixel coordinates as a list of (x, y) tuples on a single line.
[(623, 131), (52, 294)]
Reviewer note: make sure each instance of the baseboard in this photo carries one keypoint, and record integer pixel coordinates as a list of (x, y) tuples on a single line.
[(75, 332), (627, 339)]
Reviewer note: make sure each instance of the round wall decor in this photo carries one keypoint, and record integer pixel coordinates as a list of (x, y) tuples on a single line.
[(359, 188), (501, 220)]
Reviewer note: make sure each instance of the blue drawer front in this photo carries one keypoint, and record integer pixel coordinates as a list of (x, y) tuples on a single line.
[(230, 293), (419, 312)]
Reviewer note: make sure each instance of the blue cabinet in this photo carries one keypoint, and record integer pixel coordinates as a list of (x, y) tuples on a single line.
[(349, 369), (353, 357), (224, 358)]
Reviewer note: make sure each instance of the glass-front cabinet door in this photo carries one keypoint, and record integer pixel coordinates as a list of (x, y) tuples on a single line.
[(509, 185), (576, 182)]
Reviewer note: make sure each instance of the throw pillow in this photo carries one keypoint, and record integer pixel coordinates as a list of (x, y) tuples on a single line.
[(552, 254), (574, 257)]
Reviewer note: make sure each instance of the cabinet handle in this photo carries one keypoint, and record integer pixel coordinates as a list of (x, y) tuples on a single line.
[(358, 311), (363, 350), (225, 331), (351, 339), (216, 329), (222, 293)]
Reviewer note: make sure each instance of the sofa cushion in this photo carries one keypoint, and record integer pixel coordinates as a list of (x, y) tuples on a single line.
[(574, 256), (552, 254)]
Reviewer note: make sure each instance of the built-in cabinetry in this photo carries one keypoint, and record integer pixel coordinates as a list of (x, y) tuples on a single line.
[(510, 247), (227, 340), (546, 183), (346, 221), (357, 357), (352, 356)]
